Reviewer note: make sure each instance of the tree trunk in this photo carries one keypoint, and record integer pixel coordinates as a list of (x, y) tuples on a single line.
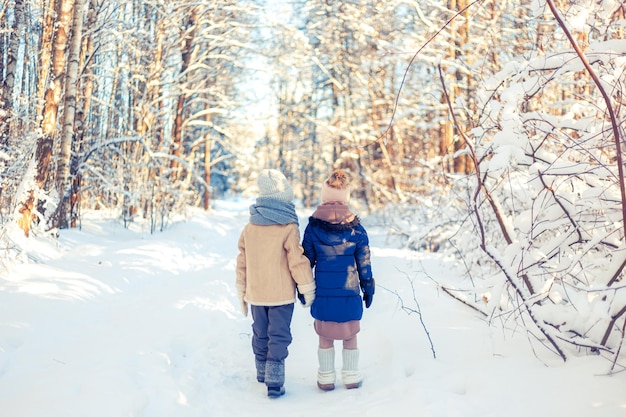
[(28, 205), (449, 142), (69, 115), (206, 200), (186, 52), (207, 173), (87, 87), (462, 86), (45, 54), (52, 97), (8, 85)]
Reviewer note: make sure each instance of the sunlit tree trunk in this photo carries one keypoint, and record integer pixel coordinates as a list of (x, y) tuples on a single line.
[(69, 116), (28, 206), (83, 108), (45, 51), (450, 140), (52, 97), (462, 86), (186, 53)]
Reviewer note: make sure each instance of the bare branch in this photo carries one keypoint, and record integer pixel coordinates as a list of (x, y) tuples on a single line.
[(614, 122), (417, 310)]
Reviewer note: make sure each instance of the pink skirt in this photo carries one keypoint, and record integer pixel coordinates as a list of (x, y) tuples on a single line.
[(337, 331)]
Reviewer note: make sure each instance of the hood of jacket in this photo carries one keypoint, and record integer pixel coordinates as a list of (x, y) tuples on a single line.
[(333, 234)]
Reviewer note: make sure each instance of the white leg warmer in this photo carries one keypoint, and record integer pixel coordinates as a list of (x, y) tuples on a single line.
[(350, 373), (326, 371)]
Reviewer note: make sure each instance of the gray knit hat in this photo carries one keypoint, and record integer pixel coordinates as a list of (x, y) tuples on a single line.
[(273, 184)]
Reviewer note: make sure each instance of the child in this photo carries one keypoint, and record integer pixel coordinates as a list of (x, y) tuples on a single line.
[(270, 266), (338, 247)]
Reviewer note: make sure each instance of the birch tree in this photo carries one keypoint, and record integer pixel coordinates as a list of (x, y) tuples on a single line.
[(158, 101), (63, 183), (7, 90), (30, 206)]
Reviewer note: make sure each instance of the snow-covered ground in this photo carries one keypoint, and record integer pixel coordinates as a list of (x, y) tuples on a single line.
[(109, 322)]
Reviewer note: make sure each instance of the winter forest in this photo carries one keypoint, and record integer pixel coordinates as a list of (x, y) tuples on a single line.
[(487, 129)]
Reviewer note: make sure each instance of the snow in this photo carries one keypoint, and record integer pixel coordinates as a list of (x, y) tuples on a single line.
[(110, 322)]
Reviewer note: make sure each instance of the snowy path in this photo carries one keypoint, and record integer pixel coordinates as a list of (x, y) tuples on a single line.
[(111, 323)]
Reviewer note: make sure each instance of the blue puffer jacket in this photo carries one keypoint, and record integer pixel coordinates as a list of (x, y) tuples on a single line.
[(341, 256)]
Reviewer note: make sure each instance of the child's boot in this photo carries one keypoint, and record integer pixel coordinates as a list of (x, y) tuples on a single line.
[(326, 371), (260, 370), (350, 372), (275, 378)]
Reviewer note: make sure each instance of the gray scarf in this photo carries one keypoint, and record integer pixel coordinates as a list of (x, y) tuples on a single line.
[(268, 211)]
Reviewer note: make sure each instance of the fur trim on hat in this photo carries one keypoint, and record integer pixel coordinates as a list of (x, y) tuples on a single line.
[(273, 184)]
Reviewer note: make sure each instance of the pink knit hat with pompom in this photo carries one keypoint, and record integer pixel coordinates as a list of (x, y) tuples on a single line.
[(336, 188)]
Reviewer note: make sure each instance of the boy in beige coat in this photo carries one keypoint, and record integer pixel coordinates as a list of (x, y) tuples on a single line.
[(271, 267)]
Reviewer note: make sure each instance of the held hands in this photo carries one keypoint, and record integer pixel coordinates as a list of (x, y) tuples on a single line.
[(306, 294), (306, 298)]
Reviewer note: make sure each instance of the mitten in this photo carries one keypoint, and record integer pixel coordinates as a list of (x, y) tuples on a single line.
[(369, 287), (368, 299), (306, 294), (242, 302), (309, 297), (301, 297)]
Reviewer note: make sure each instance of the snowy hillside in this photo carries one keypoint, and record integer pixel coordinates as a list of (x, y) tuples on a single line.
[(109, 322)]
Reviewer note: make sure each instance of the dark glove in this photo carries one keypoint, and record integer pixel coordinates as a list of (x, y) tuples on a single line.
[(369, 287), (368, 299), (301, 298)]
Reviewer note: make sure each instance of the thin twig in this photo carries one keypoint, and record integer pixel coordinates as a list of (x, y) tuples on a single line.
[(449, 292), (619, 349), (417, 310), (408, 67)]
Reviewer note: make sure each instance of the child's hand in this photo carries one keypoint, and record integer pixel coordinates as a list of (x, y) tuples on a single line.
[(369, 287), (242, 303), (306, 294), (308, 298), (368, 299)]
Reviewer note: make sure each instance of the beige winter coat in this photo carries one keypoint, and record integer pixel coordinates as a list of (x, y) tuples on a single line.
[(271, 263)]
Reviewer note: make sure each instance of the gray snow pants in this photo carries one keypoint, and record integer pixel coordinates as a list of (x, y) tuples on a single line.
[(271, 332)]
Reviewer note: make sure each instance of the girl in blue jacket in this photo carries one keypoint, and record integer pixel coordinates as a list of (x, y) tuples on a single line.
[(337, 246)]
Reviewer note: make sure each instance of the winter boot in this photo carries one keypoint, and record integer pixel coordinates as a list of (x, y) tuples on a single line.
[(350, 372), (326, 371), (275, 378), (260, 370)]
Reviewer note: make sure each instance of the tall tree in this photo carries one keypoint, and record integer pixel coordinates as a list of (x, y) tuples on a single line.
[(7, 85), (29, 207), (188, 44), (63, 181)]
